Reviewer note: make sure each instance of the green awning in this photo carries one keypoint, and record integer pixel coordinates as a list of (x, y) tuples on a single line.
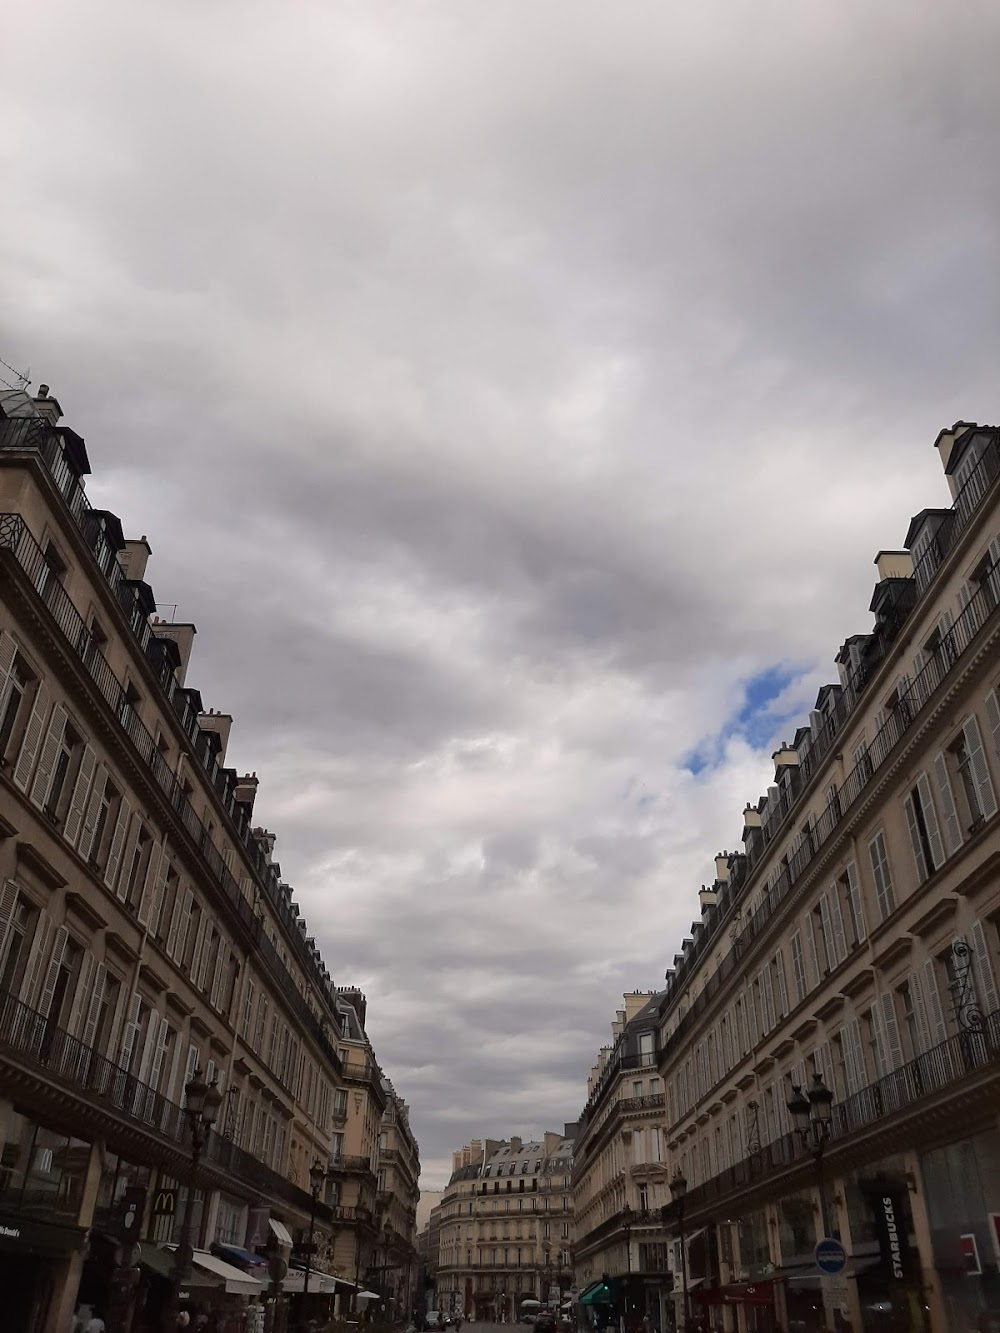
[(598, 1293)]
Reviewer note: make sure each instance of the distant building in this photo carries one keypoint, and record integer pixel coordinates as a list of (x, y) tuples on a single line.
[(505, 1226)]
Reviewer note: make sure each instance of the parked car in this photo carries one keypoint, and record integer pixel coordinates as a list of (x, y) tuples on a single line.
[(545, 1322)]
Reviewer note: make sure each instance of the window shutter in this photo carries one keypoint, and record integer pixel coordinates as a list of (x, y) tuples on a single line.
[(935, 1013), (189, 1071), (893, 1050), (8, 651), (52, 973), (149, 1047), (828, 941), (824, 1062), (131, 842), (94, 1008), (918, 849), (924, 1036), (8, 901), (117, 841), (81, 996), (952, 828), (853, 1062), (857, 905), (782, 984), (25, 765), (177, 934), (814, 979), (131, 1032), (993, 718), (39, 949), (980, 768), (930, 820), (986, 985), (78, 801), (156, 1064), (149, 899), (194, 973), (86, 846), (837, 915), (219, 979), (47, 762)]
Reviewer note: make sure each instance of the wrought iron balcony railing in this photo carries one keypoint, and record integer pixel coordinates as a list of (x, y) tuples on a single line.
[(942, 1067), (17, 539), (66, 1062)]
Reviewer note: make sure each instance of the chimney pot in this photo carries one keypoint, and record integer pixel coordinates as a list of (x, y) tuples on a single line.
[(43, 391)]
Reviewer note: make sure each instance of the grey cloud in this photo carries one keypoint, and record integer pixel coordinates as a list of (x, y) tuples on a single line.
[(500, 391)]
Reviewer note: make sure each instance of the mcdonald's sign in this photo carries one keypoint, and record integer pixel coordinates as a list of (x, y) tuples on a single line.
[(165, 1203)]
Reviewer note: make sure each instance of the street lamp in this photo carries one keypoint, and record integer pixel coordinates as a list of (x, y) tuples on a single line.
[(626, 1221), (678, 1189), (317, 1175), (812, 1117), (201, 1106)]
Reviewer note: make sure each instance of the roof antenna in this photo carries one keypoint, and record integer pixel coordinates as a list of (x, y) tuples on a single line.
[(23, 378)]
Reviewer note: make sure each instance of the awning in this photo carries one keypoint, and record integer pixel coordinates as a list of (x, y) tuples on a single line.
[(243, 1256), (319, 1283), (161, 1262), (807, 1277), (280, 1230), (598, 1293), (368, 1296), (236, 1282)]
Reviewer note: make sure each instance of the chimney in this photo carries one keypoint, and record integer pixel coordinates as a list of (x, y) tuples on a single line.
[(515, 1143), (218, 724), (551, 1142), (245, 791), (722, 867), (945, 441), (707, 898), (267, 841), (894, 565), (751, 818), (182, 633), (786, 756), (134, 557), (47, 407)]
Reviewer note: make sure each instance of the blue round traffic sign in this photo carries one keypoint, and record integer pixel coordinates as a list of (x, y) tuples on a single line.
[(830, 1255)]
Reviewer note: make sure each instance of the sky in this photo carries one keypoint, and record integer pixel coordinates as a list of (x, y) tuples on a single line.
[(515, 395)]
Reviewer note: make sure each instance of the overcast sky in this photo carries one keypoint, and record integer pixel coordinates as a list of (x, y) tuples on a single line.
[(515, 394)]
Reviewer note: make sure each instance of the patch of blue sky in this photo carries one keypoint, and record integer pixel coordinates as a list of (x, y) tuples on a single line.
[(756, 721)]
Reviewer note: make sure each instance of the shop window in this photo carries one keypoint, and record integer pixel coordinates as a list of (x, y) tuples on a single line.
[(42, 1171), (797, 1227)]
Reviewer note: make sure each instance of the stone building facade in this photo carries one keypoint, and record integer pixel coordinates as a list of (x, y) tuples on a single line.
[(145, 929)]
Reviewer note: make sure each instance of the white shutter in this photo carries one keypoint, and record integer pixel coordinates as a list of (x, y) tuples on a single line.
[(78, 801), (782, 983), (156, 1064), (986, 985), (128, 856), (892, 1047), (827, 921), (980, 768), (8, 901), (94, 1008), (117, 840), (824, 1060), (47, 762), (149, 899), (177, 935), (836, 913), (25, 765), (8, 651), (930, 820), (915, 841), (853, 1057), (952, 828), (39, 950), (193, 1058), (935, 1013), (86, 846), (52, 972), (131, 1032), (767, 995), (811, 953), (993, 718), (149, 1046), (219, 980), (924, 1033), (857, 905), (81, 995), (199, 948)]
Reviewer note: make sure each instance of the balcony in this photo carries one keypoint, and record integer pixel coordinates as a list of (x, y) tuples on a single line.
[(653, 1101), (103, 1089), (16, 539), (950, 1067), (347, 1165), (101, 533)]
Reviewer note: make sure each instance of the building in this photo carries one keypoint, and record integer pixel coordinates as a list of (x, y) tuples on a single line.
[(854, 941), (397, 1198), (145, 933), (505, 1226), (620, 1171)]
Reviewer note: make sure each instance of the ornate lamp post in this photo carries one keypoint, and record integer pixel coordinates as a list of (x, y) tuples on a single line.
[(317, 1175), (201, 1108), (812, 1116), (678, 1189)]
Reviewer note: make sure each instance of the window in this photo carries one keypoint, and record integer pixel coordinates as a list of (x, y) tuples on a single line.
[(798, 967), (637, 1087), (967, 759), (822, 934), (848, 906), (922, 823), (12, 715), (21, 929), (882, 876)]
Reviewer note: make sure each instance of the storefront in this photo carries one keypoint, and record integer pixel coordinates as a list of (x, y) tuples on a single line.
[(34, 1255)]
